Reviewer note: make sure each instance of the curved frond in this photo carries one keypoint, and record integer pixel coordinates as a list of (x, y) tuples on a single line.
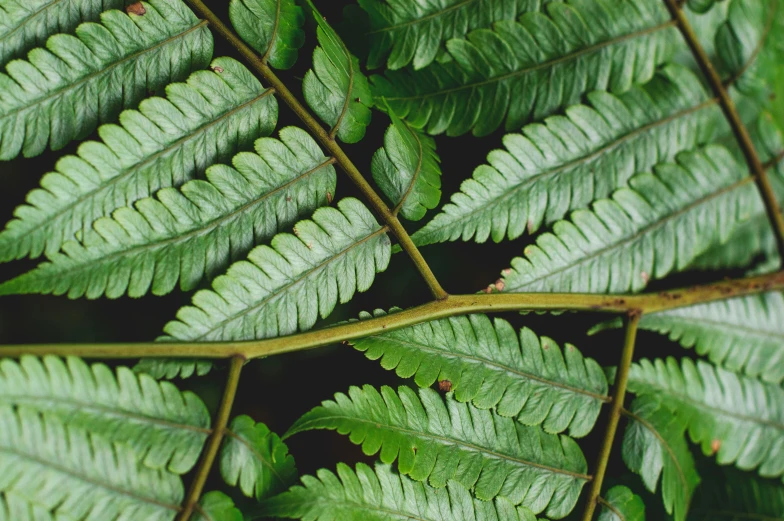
[(436, 442), (286, 286), (571, 160), (59, 468), (742, 334), (188, 233), (65, 90), (405, 31), (166, 142), (407, 170), (526, 70), (382, 495), (335, 87), (171, 368), (25, 24), (620, 504), (655, 445), (255, 458), (216, 506), (659, 224), (737, 418), (732, 495), (487, 364), (272, 27), (165, 427)]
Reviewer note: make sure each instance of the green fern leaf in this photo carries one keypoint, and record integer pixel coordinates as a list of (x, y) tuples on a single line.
[(166, 142), (407, 170), (165, 427), (382, 495), (256, 459), (746, 45), (620, 504), (64, 91), (403, 32), (436, 442), (25, 24), (650, 227), (575, 158), (737, 496), (171, 368), (62, 469), (655, 445), (216, 506), (738, 418), (701, 6), (193, 231), (335, 87), (543, 62), (286, 286), (272, 27), (488, 365)]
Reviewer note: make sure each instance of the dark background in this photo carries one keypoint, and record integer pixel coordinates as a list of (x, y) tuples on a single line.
[(277, 390)]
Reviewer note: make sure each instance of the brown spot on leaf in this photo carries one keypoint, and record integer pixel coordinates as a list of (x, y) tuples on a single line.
[(530, 227), (715, 446), (645, 277), (358, 100), (444, 386), (288, 198), (217, 69), (506, 272), (329, 197), (499, 285), (136, 8)]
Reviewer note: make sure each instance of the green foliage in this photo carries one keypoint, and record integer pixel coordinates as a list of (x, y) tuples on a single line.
[(217, 506), (544, 62), (24, 22), (168, 368), (272, 27), (620, 504), (436, 441), (404, 31), (65, 90), (335, 87), (489, 365), (650, 227), (286, 286), (381, 495), (165, 143), (735, 495), (737, 418), (655, 445), (193, 231), (407, 170), (572, 159), (256, 459)]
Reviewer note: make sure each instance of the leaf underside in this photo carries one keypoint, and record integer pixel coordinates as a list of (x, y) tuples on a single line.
[(272, 27), (620, 504)]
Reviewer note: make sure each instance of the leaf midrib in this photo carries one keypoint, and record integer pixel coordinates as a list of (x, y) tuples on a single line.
[(30, 15), (240, 439), (543, 65), (423, 19)]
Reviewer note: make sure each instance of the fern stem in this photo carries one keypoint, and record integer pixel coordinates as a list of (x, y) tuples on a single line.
[(738, 128), (619, 394), (451, 306), (214, 442), (328, 141)]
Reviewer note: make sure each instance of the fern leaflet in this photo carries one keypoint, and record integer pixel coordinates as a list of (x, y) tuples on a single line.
[(217, 506), (272, 27), (620, 504)]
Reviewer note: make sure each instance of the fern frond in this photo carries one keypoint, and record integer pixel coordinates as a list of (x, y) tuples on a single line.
[(487, 364), (187, 233), (256, 459), (286, 286), (620, 504), (526, 70), (64, 91), (25, 24), (272, 27), (407, 170), (216, 506), (701, 6), (436, 442), (737, 418), (403, 32), (650, 228), (166, 142), (381, 495), (171, 368), (571, 160), (59, 468), (335, 87), (165, 427), (734, 495), (655, 445)]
